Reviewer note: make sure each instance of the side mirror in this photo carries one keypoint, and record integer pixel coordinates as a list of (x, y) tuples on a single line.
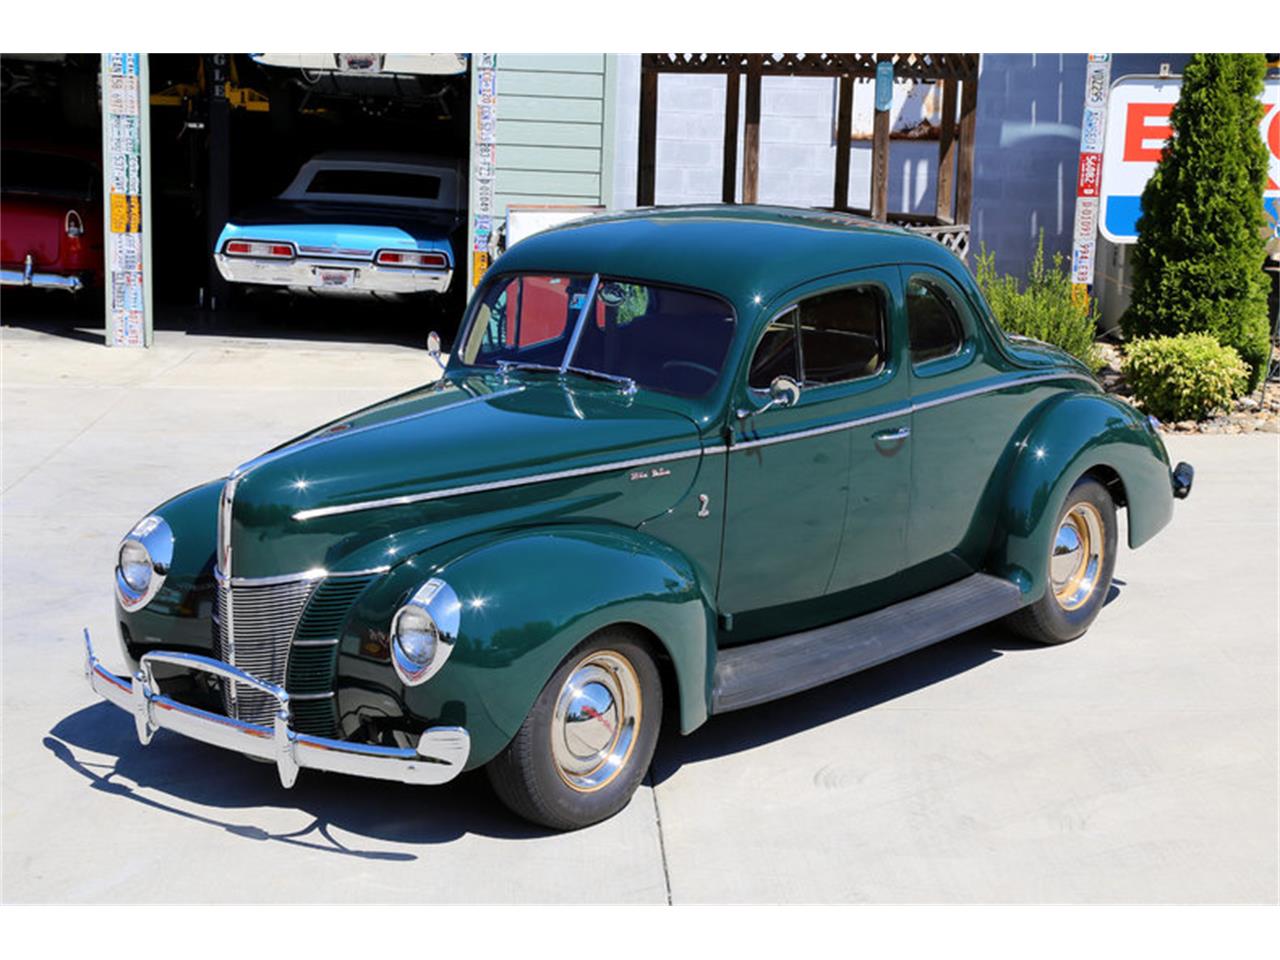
[(783, 392), (433, 346)]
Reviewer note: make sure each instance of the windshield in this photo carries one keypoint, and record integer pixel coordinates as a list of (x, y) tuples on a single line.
[(658, 337)]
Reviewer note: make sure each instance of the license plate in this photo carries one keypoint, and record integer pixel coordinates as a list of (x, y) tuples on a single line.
[(360, 62), (336, 278)]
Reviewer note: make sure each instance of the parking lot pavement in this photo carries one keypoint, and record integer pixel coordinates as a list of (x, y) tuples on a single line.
[(1137, 764)]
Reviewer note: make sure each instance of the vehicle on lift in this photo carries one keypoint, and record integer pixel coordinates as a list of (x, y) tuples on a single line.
[(361, 224), (50, 217), (691, 459)]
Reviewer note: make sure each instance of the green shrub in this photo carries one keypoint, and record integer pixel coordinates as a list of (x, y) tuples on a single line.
[(1197, 263), (1044, 309), (1185, 377)]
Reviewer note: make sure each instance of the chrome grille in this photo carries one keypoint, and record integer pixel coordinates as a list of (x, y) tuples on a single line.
[(261, 621)]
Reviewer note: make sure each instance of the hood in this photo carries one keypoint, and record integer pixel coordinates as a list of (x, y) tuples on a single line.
[(450, 459)]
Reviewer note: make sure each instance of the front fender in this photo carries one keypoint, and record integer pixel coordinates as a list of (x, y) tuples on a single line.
[(1072, 435), (529, 597)]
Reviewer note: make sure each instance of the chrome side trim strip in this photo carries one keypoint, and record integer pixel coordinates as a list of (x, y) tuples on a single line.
[(303, 515), (819, 431), (911, 408), (315, 573), (1021, 381)]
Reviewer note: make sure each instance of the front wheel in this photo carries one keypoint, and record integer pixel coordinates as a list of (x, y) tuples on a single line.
[(1081, 561), (586, 744)]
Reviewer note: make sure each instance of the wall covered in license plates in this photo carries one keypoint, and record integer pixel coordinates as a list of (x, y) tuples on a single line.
[(126, 170)]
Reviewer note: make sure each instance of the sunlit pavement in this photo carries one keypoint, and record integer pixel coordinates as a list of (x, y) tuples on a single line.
[(1136, 764)]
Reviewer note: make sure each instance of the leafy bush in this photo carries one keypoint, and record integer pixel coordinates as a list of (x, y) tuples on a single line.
[(1044, 310), (1185, 377), (1201, 238)]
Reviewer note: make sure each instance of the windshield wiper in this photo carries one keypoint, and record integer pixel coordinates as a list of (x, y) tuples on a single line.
[(505, 365), (628, 385)]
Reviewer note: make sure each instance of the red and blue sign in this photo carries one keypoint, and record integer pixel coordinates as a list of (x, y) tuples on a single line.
[(1137, 130)]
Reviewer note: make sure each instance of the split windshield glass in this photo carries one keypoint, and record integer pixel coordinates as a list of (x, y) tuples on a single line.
[(658, 337)]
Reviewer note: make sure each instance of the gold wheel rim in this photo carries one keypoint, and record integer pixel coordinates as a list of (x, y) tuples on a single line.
[(1075, 562)]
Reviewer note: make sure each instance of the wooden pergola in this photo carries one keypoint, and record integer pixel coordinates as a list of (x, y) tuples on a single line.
[(956, 73)]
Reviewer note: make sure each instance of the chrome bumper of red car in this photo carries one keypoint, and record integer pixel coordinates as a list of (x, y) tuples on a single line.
[(440, 755), (27, 277)]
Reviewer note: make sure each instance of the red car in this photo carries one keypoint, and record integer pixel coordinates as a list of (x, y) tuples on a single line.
[(50, 218)]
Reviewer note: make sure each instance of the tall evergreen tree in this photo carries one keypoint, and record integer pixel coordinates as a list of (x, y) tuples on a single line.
[(1201, 238)]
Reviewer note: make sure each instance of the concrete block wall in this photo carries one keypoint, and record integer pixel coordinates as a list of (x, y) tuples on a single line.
[(1028, 141)]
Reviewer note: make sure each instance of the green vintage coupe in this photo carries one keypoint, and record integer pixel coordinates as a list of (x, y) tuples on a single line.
[(683, 460)]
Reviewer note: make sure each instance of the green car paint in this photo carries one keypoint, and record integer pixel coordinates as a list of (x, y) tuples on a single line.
[(557, 506)]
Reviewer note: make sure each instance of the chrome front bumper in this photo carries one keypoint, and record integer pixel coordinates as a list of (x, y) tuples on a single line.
[(27, 277), (439, 757), (302, 273)]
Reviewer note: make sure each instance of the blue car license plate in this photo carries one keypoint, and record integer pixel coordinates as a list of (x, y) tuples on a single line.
[(335, 278)]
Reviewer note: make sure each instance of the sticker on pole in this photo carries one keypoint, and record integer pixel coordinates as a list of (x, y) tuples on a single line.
[(1137, 129)]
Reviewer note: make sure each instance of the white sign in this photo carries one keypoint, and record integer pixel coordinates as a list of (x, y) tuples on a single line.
[(1084, 245), (1137, 131)]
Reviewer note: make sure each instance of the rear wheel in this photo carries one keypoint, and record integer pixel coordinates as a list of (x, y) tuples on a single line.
[(586, 744), (1081, 561)]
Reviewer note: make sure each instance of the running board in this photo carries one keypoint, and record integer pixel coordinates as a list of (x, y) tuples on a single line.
[(757, 672)]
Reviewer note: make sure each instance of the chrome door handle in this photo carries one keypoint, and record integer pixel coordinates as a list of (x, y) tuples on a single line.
[(889, 436)]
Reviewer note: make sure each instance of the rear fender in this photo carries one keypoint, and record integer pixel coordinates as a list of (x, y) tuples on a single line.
[(1071, 435)]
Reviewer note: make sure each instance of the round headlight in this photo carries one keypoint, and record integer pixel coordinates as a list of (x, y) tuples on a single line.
[(415, 634), (143, 562), (135, 565), (423, 632)]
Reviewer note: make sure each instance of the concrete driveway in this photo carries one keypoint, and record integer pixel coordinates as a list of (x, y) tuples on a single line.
[(1137, 764)]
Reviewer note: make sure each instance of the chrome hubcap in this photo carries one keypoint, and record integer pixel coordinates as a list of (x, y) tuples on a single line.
[(596, 717), (1077, 556)]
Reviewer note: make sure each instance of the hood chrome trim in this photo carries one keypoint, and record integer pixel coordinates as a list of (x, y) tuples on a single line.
[(303, 515)]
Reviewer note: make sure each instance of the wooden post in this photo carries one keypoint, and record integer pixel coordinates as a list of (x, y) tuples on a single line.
[(646, 170), (880, 157), (844, 132), (947, 154), (964, 166), (729, 172), (751, 134)]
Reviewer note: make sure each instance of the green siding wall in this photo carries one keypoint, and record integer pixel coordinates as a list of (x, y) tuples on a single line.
[(551, 128), (553, 140)]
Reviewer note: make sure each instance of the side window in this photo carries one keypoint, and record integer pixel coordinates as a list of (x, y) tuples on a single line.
[(842, 335), (933, 323), (777, 355)]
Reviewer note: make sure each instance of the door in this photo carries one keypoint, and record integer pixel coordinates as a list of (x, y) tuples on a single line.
[(799, 473), (962, 429)]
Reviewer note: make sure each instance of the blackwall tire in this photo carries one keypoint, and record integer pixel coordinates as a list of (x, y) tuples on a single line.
[(588, 740)]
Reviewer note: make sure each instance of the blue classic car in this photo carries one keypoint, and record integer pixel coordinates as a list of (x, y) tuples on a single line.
[(352, 223)]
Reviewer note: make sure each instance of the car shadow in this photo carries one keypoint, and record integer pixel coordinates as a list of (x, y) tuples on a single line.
[(196, 782), (744, 729)]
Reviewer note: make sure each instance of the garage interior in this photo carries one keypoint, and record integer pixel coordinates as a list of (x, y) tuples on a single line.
[(228, 132)]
